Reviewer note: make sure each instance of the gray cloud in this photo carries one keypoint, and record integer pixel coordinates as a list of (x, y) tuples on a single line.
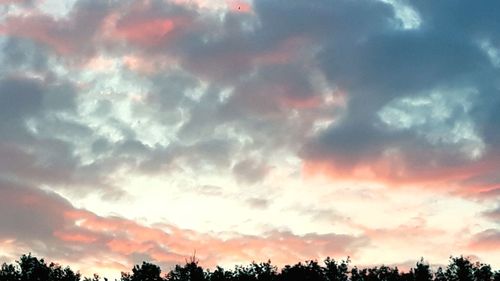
[(20, 98), (383, 65), (487, 240), (252, 73), (493, 215), (21, 217), (250, 170), (258, 203)]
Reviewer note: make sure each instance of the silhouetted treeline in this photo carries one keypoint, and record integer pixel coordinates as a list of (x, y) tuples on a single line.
[(30, 268)]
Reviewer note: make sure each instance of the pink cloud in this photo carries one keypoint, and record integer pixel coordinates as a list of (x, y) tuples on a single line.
[(73, 36), (148, 32), (139, 64), (77, 234), (488, 240), (396, 170), (239, 6), (130, 237), (40, 28), (75, 237), (144, 25)]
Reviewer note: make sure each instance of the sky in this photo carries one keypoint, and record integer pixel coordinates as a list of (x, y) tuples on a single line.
[(244, 131)]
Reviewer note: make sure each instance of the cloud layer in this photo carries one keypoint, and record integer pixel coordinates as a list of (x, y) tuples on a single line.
[(281, 129)]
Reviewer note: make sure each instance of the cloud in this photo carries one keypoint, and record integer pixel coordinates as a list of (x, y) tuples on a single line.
[(236, 96), (49, 225), (71, 35), (493, 215), (21, 98), (222, 63), (250, 171), (258, 203), (488, 240), (394, 75)]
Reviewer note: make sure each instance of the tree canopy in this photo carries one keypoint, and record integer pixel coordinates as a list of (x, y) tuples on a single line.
[(30, 268)]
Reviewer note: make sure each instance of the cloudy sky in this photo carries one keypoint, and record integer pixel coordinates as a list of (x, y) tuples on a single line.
[(136, 130)]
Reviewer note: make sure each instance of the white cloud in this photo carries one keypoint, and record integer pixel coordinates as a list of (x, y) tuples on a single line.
[(440, 116)]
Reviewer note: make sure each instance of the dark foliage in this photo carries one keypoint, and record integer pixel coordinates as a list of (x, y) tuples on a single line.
[(30, 268)]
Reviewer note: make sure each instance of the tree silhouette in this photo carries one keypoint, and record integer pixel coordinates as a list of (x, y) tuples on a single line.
[(407, 276), (189, 272), (460, 269), (220, 274), (255, 272), (384, 273), (336, 271), (9, 273), (482, 272), (57, 273), (440, 275), (30, 268), (145, 272), (358, 274), (310, 271), (496, 276), (33, 269), (95, 277), (422, 271)]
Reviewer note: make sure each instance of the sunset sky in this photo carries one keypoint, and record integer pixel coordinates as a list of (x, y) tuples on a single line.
[(288, 130)]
